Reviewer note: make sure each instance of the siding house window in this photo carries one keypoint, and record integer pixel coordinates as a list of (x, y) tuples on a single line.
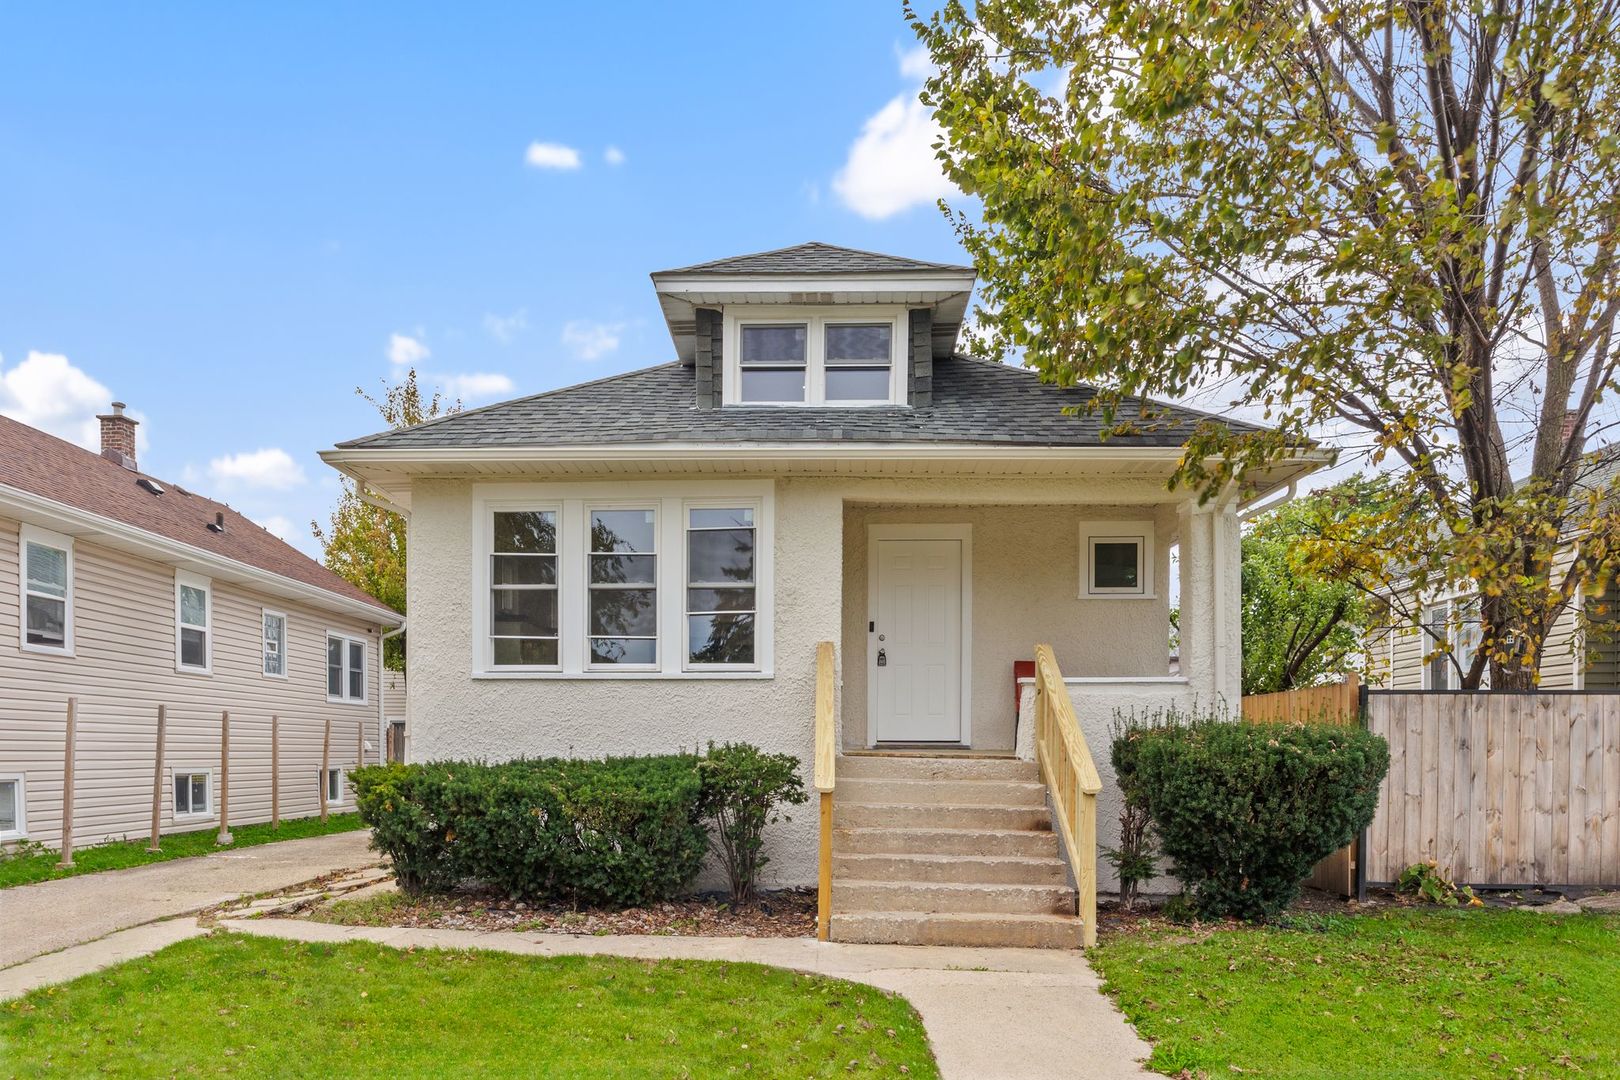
[(523, 588), (345, 669), (193, 608), (13, 808), (193, 793), (623, 587), (333, 783), (275, 644), (1451, 638), (721, 598), (47, 591)]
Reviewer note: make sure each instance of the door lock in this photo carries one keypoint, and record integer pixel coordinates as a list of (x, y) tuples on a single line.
[(883, 658)]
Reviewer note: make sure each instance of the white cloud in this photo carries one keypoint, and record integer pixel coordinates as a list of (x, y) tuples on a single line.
[(891, 165), (544, 155), (592, 340), (613, 156), (280, 525), (503, 328), (404, 350), (47, 392), (475, 386), (271, 468)]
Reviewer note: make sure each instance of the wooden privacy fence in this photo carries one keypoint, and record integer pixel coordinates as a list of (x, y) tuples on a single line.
[(1499, 788)]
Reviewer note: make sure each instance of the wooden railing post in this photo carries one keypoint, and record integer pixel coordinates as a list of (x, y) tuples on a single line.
[(275, 771), (225, 836), (67, 781), (157, 780), (326, 765), (826, 764), (1071, 777)]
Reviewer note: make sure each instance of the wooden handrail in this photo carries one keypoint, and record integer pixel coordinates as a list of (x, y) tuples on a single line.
[(1071, 777), (826, 764)]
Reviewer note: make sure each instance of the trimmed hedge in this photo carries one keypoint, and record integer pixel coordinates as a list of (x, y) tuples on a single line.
[(1246, 810), (616, 832)]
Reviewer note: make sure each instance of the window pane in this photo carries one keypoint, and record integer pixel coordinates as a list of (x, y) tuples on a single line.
[(334, 667), (622, 531), (47, 622), (357, 670), (531, 532), (524, 612), (857, 384), (199, 792), (182, 794), (1114, 564), (773, 344), (193, 606), (47, 570), (275, 638), (8, 806), (723, 555), (624, 569), (720, 639), (193, 648), (624, 651), (525, 652), (742, 517), (773, 384), (525, 569), (858, 344), (720, 600), (624, 612)]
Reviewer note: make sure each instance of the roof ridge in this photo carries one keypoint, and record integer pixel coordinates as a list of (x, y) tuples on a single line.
[(814, 244)]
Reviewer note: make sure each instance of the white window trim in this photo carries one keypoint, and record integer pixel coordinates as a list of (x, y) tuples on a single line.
[(182, 578), (687, 665), (573, 503), (592, 507), (30, 534), (1138, 530), (21, 831), (326, 785), (264, 641), (206, 813), (348, 638), (816, 320), (1427, 645)]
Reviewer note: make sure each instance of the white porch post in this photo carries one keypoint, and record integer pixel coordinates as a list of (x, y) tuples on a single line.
[(1210, 628)]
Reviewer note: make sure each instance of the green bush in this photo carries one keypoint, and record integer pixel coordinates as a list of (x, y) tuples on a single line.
[(1245, 810), (743, 789), (614, 832)]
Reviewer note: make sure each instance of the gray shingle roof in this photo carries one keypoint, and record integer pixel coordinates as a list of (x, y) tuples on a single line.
[(975, 401), (815, 258)]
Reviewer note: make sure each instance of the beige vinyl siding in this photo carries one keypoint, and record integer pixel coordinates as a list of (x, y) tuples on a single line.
[(123, 667), (1559, 656), (1603, 648)]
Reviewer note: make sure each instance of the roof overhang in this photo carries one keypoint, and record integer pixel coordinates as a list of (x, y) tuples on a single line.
[(112, 533), (945, 292), (390, 473)]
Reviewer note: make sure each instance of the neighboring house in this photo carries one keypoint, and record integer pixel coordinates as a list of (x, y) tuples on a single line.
[(647, 562), (125, 593)]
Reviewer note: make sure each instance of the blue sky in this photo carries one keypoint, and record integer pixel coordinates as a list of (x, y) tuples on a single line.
[(232, 217)]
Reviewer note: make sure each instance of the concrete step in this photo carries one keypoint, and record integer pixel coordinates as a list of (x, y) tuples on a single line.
[(952, 869), (914, 767), (961, 928), (896, 815), (942, 792), (932, 896), (1030, 843)]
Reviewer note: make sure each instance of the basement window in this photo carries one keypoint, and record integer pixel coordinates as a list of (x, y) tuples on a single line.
[(13, 808), (333, 783), (193, 793)]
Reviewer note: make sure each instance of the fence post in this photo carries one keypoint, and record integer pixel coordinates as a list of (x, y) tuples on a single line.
[(157, 779), (67, 781), (275, 771), (224, 779), (326, 765)]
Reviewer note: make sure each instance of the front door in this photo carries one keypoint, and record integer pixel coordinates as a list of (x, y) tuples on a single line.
[(915, 648)]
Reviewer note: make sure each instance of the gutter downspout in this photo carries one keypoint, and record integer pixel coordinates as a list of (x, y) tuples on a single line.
[(382, 708)]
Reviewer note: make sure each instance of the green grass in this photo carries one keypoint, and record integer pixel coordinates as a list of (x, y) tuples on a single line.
[(1400, 994), (235, 1005), (29, 866)]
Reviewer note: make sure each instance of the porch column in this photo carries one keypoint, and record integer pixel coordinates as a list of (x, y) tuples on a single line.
[(1210, 625)]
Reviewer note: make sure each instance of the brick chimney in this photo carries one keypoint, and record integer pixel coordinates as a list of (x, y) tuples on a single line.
[(118, 436)]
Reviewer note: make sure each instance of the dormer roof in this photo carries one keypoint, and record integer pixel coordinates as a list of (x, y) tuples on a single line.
[(814, 258)]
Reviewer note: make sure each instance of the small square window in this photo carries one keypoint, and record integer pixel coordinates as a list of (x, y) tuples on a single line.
[(1116, 565), (1116, 559), (192, 793)]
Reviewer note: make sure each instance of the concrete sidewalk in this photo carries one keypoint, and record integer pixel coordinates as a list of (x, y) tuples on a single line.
[(991, 1014), (52, 915)]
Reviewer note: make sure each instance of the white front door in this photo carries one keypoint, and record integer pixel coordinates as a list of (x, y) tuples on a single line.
[(915, 647)]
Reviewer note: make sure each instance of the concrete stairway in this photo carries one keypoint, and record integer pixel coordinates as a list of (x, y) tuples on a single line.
[(947, 851)]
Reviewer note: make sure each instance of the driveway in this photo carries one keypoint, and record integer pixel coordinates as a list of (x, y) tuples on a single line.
[(52, 915)]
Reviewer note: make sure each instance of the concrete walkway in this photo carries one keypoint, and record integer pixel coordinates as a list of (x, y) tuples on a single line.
[(52, 915), (991, 1014)]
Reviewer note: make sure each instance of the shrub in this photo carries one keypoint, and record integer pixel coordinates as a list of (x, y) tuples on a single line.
[(619, 832), (1245, 810), (743, 789), (1427, 881), (1137, 858)]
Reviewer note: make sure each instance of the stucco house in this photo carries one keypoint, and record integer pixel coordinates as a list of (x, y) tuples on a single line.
[(649, 561), (125, 593)]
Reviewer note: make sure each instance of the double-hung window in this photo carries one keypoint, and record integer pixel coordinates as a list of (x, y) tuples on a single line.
[(192, 792), (523, 588), (345, 669), (859, 360), (193, 613), (721, 587), (275, 644), (817, 359), (13, 808), (1451, 639), (623, 588), (774, 362), (47, 591)]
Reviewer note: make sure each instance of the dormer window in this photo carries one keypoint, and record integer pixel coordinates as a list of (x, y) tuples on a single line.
[(808, 357)]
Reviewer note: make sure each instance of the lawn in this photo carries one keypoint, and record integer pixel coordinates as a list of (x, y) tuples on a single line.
[(1404, 993), (236, 1005), (28, 867)]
